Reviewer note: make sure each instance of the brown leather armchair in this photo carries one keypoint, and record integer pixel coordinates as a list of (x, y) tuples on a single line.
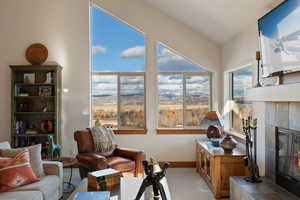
[(127, 161)]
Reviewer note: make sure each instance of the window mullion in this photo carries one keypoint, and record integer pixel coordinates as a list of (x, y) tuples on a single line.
[(183, 100), (118, 101)]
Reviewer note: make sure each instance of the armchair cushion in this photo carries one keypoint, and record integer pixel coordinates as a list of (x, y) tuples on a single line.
[(137, 156), (95, 160), (121, 164)]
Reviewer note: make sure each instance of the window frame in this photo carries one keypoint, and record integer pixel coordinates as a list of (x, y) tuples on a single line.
[(185, 129), (123, 130), (233, 131)]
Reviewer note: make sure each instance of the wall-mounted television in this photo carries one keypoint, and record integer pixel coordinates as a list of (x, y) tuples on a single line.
[(279, 32)]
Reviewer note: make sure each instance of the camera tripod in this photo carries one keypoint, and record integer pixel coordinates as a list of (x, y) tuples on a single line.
[(153, 178)]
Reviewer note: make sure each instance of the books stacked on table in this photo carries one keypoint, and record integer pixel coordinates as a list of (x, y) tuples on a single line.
[(104, 180)]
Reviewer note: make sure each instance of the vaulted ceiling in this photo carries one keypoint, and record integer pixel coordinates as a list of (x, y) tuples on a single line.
[(220, 20)]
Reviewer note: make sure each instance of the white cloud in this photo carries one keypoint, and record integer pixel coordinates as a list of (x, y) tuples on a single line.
[(242, 82), (134, 52), (169, 61), (99, 49)]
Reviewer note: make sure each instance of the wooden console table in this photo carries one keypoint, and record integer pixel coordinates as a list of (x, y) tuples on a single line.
[(216, 167)]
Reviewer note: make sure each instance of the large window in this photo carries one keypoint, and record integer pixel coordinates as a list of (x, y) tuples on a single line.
[(183, 89), (241, 81), (118, 79)]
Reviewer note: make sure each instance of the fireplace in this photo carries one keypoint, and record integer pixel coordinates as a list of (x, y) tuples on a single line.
[(287, 169)]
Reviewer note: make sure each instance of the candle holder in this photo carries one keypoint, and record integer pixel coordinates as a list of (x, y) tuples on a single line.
[(258, 69), (250, 161)]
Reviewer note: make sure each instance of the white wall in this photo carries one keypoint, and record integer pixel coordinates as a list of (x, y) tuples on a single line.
[(63, 26), (241, 49), (238, 53)]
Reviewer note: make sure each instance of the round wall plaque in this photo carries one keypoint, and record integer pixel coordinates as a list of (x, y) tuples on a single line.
[(36, 54)]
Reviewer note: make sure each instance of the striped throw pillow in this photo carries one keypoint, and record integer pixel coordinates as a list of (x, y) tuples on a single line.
[(15, 172)]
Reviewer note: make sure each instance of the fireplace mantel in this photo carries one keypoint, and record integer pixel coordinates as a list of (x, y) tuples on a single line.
[(279, 93)]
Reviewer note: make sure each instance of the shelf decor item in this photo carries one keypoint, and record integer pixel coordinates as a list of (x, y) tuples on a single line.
[(36, 54), (48, 78), (45, 91), (36, 106), (250, 128), (29, 78)]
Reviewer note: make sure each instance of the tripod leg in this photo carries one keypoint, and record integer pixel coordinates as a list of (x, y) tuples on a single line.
[(162, 191), (142, 189), (155, 191)]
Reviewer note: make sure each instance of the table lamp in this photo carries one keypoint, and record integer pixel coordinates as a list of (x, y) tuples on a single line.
[(212, 118)]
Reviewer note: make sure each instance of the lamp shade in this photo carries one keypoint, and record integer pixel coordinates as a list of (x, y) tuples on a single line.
[(212, 118)]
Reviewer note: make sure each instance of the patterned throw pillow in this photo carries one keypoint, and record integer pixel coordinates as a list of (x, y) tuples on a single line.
[(104, 140), (15, 172), (34, 155)]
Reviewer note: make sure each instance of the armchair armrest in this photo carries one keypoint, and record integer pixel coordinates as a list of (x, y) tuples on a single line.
[(55, 168), (93, 160), (137, 156), (129, 153)]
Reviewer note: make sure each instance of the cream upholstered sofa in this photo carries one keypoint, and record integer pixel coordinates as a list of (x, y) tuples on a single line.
[(50, 187)]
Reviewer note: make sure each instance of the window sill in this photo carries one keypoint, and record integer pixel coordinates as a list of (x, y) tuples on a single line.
[(177, 131), (241, 138), (130, 131)]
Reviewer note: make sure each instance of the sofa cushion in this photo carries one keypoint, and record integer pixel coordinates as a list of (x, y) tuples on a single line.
[(35, 157), (121, 164), (15, 172), (21, 195), (4, 145), (48, 185)]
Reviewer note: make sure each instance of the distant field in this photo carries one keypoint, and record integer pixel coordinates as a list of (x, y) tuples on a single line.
[(133, 115), (171, 115)]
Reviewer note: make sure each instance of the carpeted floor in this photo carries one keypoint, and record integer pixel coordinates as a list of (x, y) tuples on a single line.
[(184, 183)]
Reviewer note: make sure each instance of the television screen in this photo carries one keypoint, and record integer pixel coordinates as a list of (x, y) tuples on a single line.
[(279, 33)]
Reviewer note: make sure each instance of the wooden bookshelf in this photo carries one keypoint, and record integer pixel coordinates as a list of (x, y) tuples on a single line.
[(36, 105)]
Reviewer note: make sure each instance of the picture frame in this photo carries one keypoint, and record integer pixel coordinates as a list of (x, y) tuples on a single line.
[(29, 78), (45, 91)]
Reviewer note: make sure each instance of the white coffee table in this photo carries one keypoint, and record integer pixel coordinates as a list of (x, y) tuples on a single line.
[(127, 191)]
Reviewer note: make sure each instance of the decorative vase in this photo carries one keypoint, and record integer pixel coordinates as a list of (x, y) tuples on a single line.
[(228, 144)]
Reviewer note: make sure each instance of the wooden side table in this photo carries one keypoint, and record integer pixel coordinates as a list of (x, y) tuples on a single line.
[(68, 162), (216, 167)]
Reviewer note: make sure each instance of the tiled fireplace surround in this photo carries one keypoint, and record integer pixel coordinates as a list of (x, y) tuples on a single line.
[(283, 115)]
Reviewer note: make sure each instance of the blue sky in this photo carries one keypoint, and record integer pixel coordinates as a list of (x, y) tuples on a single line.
[(115, 46)]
